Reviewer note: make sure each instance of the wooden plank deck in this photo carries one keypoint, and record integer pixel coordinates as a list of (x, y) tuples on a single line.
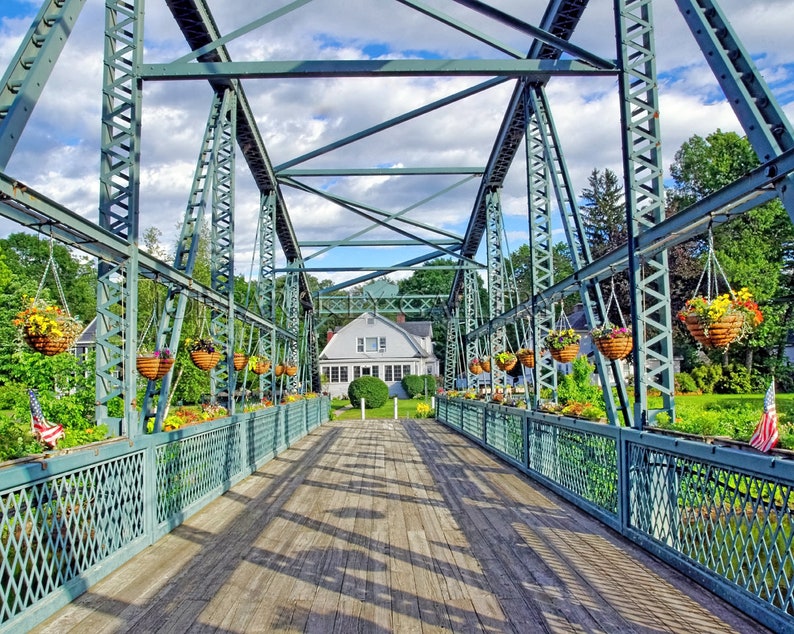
[(394, 526)]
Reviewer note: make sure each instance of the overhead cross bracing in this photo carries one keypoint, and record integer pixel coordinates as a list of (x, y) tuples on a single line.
[(391, 180)]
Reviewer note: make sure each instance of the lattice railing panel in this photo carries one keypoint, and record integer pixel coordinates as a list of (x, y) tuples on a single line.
[(736, 524), (192, 467), (504, 432), (263, 435), (55, 530)]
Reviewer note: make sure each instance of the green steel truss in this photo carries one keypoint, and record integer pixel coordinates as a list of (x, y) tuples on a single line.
[(30, 68), (527, 120), (649, 276)]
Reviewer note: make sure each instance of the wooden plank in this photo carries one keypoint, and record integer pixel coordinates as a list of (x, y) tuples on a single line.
[(393, 526)]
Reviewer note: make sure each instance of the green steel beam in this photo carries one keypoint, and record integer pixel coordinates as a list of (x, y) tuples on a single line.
[(354, 305), (223, 376), (541, 250), (451, 352), (372, 243), (652, 323), (579, 248), (390, 123), (471, 319), (266, 285), (383, 171), (29, 69), (119, 191), (497, 337), (536, 69), (170, 327), (293, 325), (764, 122)]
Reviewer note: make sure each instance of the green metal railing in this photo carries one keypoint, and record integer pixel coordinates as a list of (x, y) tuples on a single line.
[(723, 516), (68, 520)]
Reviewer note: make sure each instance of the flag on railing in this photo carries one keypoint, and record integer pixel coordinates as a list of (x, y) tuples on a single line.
[(44, 431), (765, 435)]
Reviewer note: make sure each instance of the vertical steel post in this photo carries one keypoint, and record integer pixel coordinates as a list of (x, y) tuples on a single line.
[(292, 311), (451, 352), (266, 283), (644, 187), (496, 280), (222, 377), (119, 190), (471, 299), (541, 248)]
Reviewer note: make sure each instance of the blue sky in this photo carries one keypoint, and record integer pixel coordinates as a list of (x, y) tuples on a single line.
[(59, 151)]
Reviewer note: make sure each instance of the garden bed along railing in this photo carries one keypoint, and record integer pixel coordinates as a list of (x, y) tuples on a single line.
[(70, 518)]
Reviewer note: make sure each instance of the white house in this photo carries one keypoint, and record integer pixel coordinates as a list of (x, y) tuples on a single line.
[(372, 345)]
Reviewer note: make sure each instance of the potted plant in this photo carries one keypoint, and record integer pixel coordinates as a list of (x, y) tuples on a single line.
[(526, 357), (505, 360), (203, 353), (563, 344), (719, 321), (154, 365), (485, 362), (475, 367), (614, 342), (47, 328), (239, 359), (258, 364)]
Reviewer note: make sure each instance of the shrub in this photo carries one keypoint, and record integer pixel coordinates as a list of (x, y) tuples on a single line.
[(706, 377), (735, 379), (374, 392), (576, 387), (414, 384), (685, 384)]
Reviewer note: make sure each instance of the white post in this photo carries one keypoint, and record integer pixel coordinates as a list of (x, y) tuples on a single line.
[(395, 408), (362, 410), (433, 403)]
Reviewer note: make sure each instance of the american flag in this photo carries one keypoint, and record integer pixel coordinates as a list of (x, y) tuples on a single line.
[(44, 431), (765, 435)]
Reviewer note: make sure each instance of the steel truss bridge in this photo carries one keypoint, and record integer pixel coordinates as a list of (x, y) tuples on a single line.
[(233, 144)]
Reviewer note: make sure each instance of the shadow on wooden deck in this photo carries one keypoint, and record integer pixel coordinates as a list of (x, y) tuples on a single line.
[(393, 526)]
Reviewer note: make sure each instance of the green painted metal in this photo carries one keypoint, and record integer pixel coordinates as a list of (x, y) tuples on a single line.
[(541, 249), (644, 186), (119, 191), (452, 352), (766, 126), (724, 517), (471, 319), (592, 300), (266, 286), (497, 337), (29, 69), (530, 68), (79, 515), (292, 320), (223, 376)]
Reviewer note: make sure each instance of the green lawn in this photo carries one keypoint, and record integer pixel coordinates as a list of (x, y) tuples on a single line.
[(406, 408)]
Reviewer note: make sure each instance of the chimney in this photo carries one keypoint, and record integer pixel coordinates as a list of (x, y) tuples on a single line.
[(401, 318), (329, 335)]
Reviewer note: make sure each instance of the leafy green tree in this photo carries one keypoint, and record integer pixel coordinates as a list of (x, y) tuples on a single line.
[(753, 249)]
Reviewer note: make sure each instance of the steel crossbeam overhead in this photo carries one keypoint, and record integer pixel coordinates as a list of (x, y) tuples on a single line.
[(30, 68), (195, 20), (560, 19)]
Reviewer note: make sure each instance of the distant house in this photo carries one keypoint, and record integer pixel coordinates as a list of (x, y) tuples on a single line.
[(372, 345)]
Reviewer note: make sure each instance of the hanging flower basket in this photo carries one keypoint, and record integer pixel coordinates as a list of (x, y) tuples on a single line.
[(240, 361), (279, 369), (526, 357), (290, 370), (718, 322), (566, 354), (475, 367), (563, 344), (486, 365), (205, 360), (258, 365), (505, 361), (153, 367), (718, 334), (614, 342), (47, 328)]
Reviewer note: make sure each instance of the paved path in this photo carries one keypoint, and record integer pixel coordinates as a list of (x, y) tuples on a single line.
[(394, 526)]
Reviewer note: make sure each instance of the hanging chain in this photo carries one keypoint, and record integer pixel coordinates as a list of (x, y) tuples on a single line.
[(51, 264), (713, 272)]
